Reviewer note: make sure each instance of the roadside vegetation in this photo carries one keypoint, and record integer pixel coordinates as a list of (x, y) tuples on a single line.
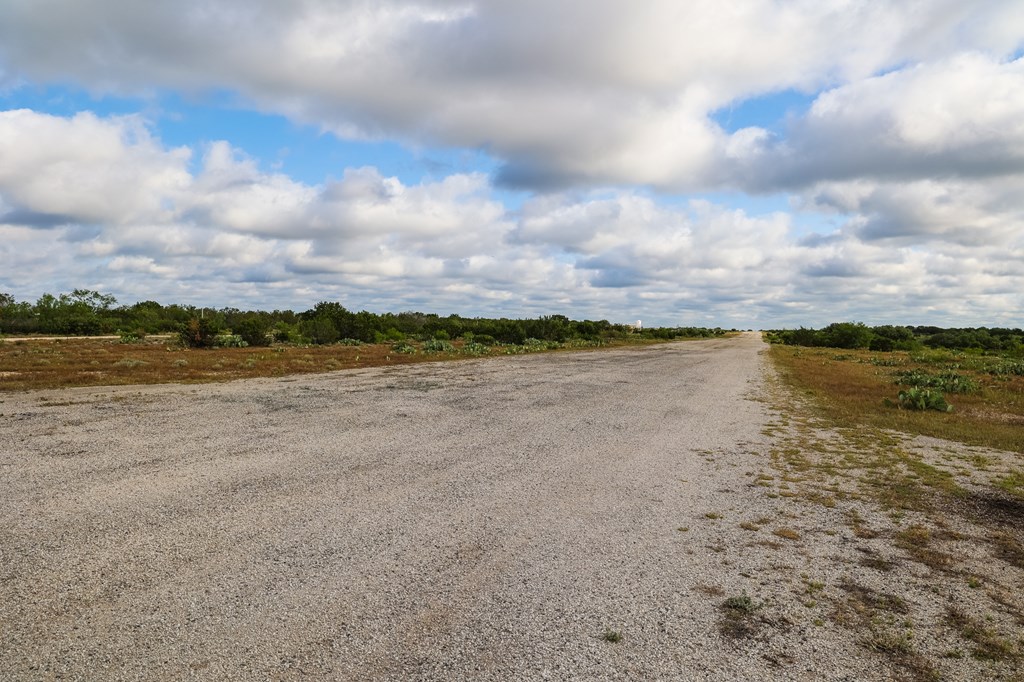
[(917, 451), (153, 343), (936, 384)]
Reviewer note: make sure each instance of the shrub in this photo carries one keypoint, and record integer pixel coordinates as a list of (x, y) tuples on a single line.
[(198, 332), (287, 333), (391, 334), (1008, 367), (741, 603), (254, 330), (923, 399), (229, 341), (320, 330), (350, 342), (948, 382), (403, 347), (473, 348), (133, 336), (438, 346)]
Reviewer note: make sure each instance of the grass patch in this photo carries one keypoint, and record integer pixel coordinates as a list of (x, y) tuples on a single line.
[(851, 392), (917, 541), (85, 361), (989, 645)]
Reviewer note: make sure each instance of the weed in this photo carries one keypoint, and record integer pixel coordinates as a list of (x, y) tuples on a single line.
[(742, 603), (1012, 482), (712, 515), (613, 636), (890, 642), (989, 645), (740, 616)]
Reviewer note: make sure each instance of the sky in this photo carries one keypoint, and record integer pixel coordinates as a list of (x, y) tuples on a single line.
[(752, 164)]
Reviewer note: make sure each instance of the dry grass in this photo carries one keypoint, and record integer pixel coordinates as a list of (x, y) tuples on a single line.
[(851, 391), (64, 363)]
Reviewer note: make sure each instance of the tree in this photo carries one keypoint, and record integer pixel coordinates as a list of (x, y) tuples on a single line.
[(846, 335), (253, 330)]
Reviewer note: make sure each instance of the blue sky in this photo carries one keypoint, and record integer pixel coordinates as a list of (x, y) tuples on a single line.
[(750, 165)]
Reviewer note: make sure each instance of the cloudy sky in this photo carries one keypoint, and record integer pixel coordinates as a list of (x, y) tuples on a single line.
[(755, 163)]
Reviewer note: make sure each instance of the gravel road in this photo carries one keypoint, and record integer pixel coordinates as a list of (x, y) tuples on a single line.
[(495, 519)]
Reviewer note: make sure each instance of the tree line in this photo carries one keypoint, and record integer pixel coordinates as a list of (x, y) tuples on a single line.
[(87, 313), (893, 337)]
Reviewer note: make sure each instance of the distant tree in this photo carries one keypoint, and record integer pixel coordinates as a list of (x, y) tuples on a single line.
[(846, 335), (253, 329), (199, 332), (320, 330)]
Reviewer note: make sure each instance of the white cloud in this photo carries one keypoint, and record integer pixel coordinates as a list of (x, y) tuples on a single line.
[(579, 91), (913, 148), (958, 117)]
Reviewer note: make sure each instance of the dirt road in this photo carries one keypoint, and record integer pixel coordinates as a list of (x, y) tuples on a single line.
[(506, 518)]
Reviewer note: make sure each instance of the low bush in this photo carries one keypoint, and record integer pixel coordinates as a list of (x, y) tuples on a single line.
[(474, 348), (923, 399), (404, 348), (132, 336), (947, 382), (438, 346), (229, 341), (1007, 368)]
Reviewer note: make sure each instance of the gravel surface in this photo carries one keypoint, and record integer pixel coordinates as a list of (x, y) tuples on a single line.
[(495, 519)]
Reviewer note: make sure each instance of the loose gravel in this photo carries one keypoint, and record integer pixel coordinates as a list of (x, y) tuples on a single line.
[(495, 519)]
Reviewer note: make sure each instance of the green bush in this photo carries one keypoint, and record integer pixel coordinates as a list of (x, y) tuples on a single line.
[(229, 341), (350, 342), (131, 337), (319, 330), (948, 382), (404, 348), (474, 348), (254, 330), (1008, 367), (438, 346), (391, 334), (923, 399)]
